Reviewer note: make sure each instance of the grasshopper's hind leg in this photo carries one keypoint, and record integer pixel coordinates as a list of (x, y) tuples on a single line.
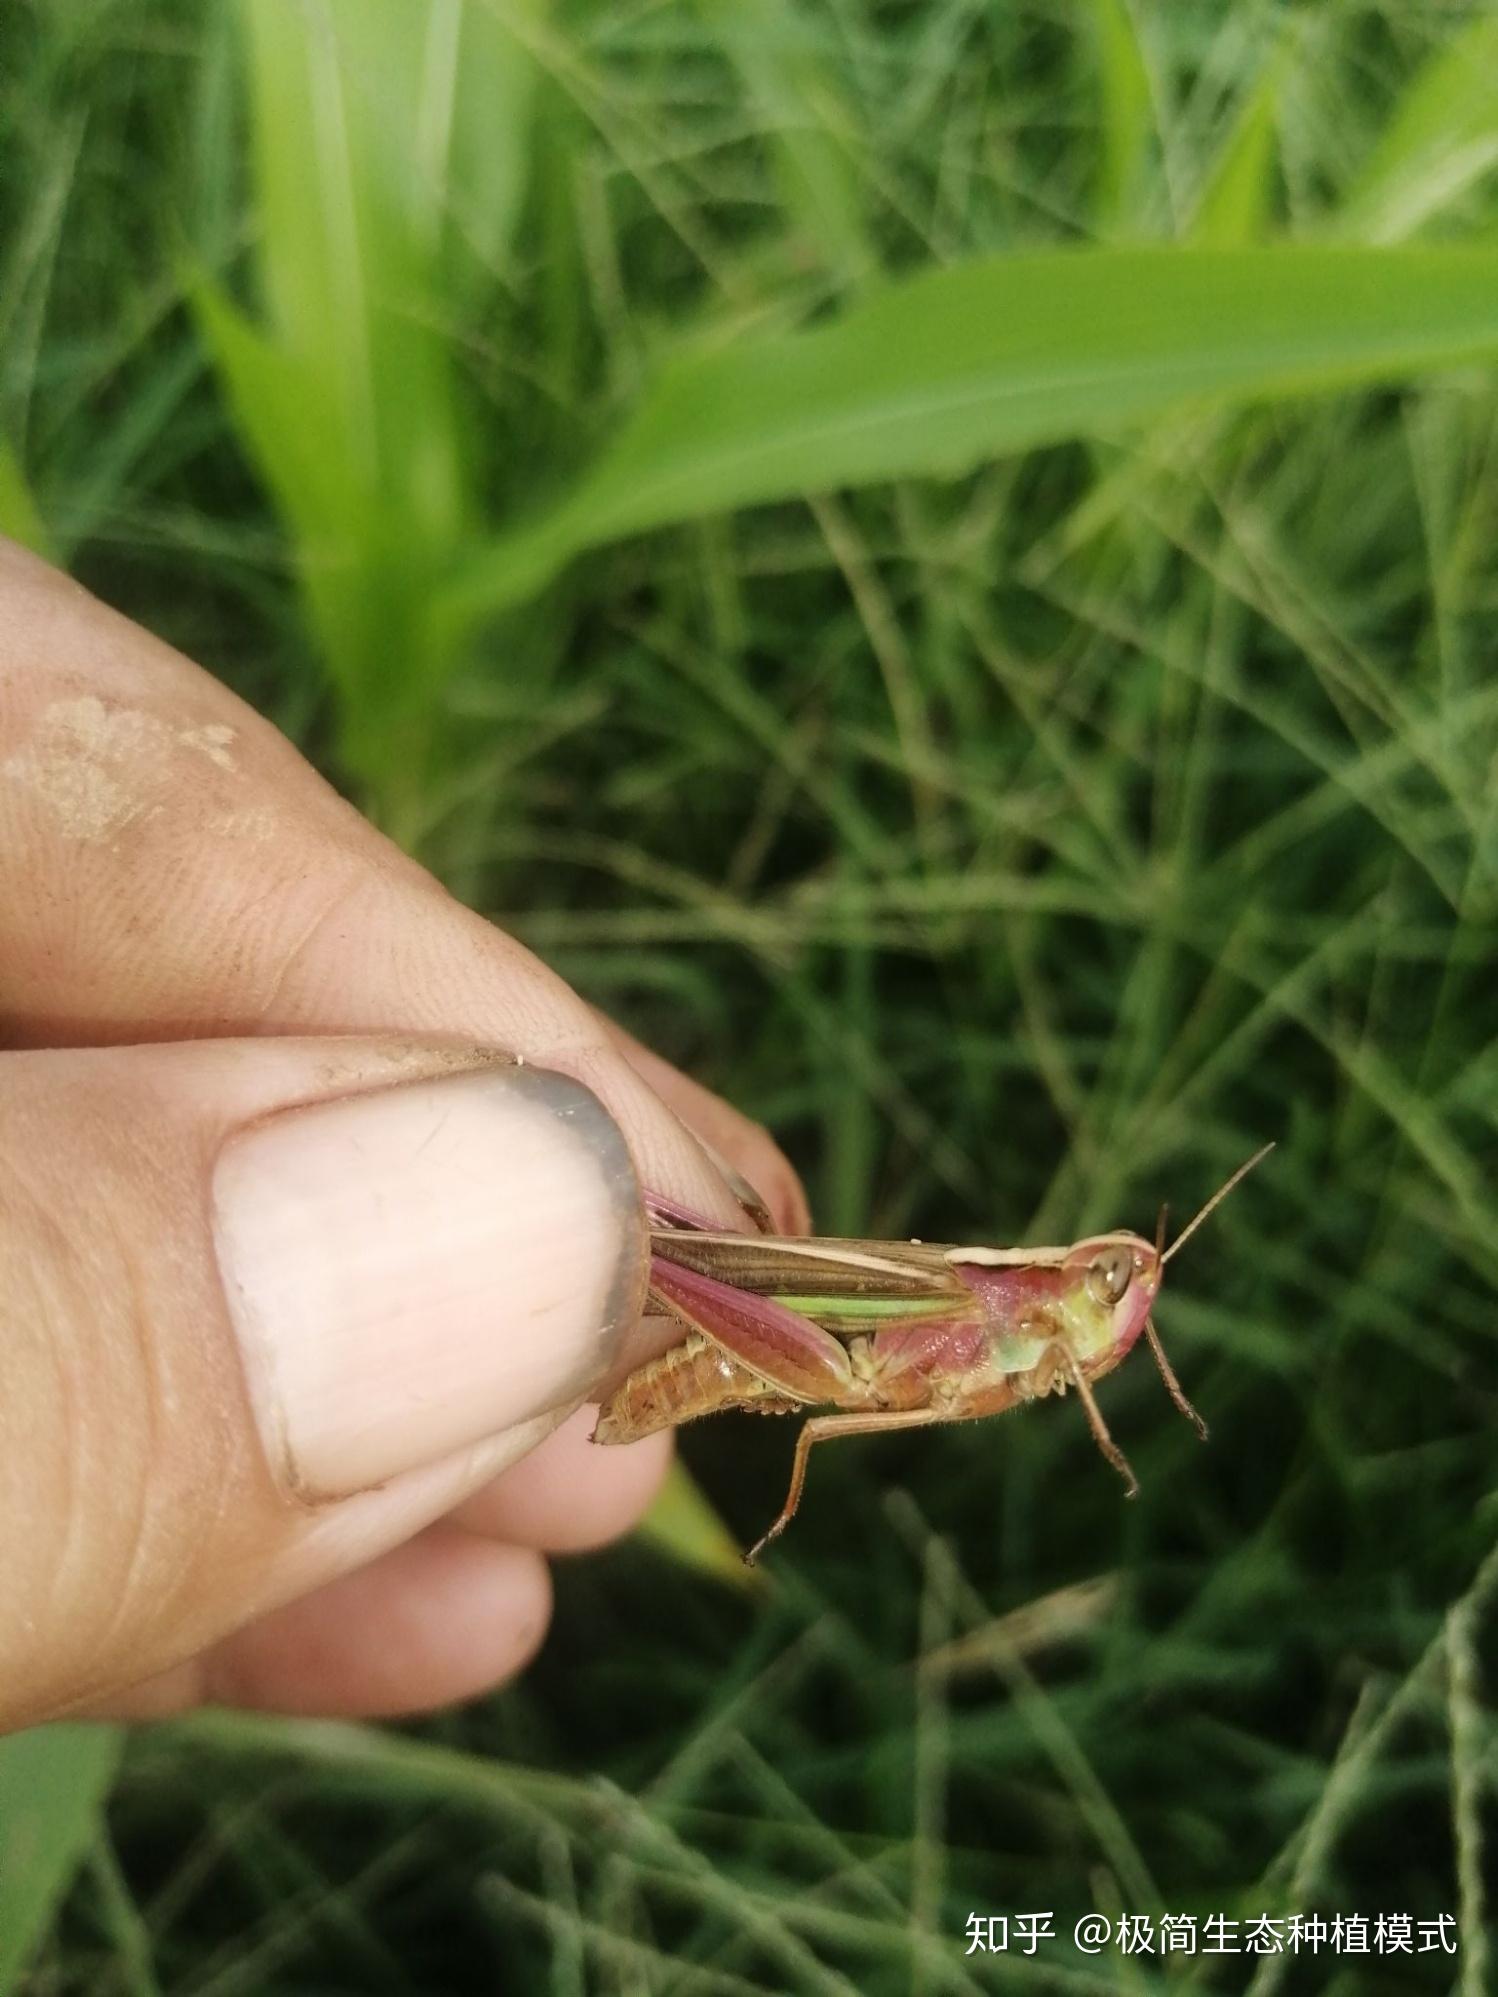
[(821, 1428), (784, 1349), (740, 1350)]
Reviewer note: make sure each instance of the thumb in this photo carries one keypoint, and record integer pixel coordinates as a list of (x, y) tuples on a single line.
[(266, 1308)]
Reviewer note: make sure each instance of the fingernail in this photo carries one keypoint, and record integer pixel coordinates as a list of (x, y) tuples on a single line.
[(415, 1268)]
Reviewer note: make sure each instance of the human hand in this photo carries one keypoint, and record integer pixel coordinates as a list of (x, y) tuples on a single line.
[(292, 1328)]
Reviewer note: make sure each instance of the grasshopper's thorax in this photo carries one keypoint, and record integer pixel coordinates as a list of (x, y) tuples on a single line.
[(1092, 1299)]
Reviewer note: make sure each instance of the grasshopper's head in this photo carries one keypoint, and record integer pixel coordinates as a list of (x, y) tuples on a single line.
[(1066, 1313), (1108, 1287), (1069, 1316), (1065, 1318)]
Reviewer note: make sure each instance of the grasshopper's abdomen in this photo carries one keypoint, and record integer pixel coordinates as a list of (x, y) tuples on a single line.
[(694, 1378)]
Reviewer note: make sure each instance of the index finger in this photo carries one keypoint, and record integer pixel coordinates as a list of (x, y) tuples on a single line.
[(171, 868)]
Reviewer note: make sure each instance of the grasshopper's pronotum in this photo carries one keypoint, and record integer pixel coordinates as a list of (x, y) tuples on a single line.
[(895, 1334)]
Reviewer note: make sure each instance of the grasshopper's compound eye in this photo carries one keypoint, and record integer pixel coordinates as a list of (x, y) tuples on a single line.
[(1109, 1275)]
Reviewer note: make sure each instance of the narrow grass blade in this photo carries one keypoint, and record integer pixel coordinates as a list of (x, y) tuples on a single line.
[(776, 48), (53, 1785), (1235, 203), (682, 1523), (18, 512), (1126, 116), (938, 373)]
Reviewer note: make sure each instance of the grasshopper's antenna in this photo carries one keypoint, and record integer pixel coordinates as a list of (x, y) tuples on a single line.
[(1160, 1234), (1216, 1201)]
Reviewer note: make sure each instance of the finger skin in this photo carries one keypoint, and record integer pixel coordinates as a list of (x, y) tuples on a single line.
[(444, 1617), (341, 1649), (140, 1520), (172, 868), (569, 1496)]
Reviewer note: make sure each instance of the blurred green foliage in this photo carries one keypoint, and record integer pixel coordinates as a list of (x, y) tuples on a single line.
[(1045, 746)]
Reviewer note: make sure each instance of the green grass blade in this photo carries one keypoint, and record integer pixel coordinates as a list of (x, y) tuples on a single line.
[(276, 405), (1235, 204), (1126, 117), (18, 510), (390, 152), (482, 136), (1441, 141), (53, 1785), (774, 46), (682, 1523), (343, 103), (954, 366)]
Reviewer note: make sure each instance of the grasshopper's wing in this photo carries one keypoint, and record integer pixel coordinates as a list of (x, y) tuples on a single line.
[(846, 1287)]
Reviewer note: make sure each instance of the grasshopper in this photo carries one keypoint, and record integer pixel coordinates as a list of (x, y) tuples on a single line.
[(895, 1335)]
